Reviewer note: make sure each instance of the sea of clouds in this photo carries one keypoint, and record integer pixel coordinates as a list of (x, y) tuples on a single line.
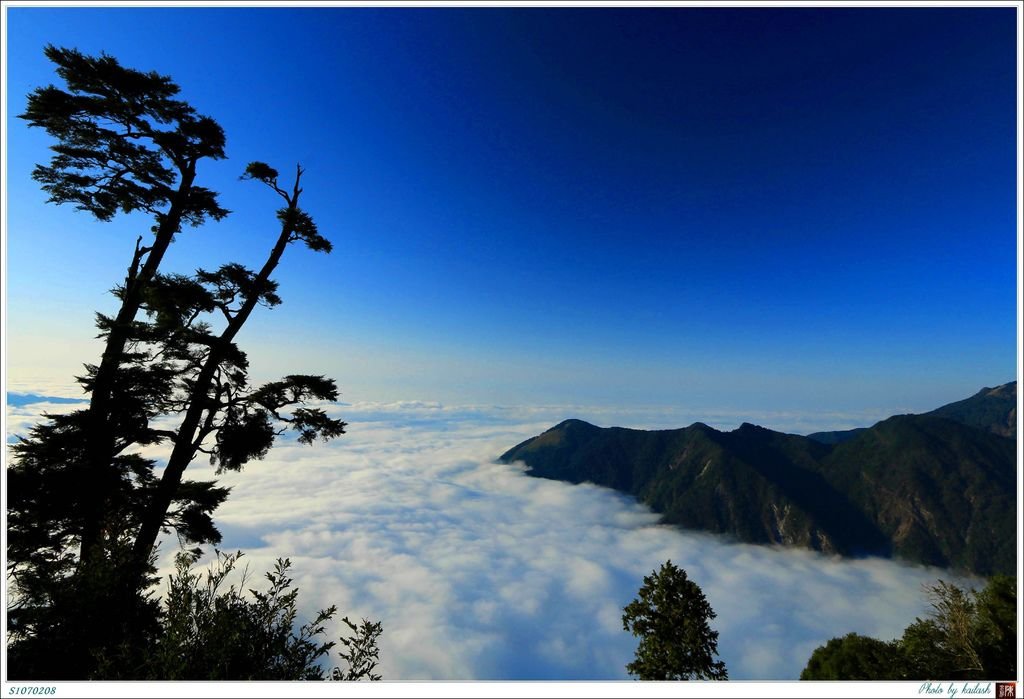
[(479, 571)]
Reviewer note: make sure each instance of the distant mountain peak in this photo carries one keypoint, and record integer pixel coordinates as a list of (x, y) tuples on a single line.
[(991, 409), (571, 423), (1008, 390)]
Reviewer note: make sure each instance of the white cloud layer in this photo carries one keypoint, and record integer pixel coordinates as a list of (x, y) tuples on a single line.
[(481, 572)]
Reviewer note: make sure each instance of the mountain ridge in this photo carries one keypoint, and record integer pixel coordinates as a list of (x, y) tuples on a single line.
[(937, 488), (992, 409)]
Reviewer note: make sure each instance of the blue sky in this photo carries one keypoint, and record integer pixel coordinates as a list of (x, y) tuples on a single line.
[(746, 209)]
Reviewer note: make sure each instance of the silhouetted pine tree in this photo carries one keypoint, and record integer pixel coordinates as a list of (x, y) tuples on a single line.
[(85, 509)]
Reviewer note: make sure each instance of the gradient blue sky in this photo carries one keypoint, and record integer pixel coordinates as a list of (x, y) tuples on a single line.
[(749, 209)]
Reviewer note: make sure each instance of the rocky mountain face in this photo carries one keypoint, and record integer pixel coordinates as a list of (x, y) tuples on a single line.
[(938, 488)]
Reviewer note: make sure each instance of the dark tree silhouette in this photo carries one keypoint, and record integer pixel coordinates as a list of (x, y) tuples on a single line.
[(210, 370), (85, 509), (124, 144), (967, 635), (213, 633), (671, 617), (854, 657)]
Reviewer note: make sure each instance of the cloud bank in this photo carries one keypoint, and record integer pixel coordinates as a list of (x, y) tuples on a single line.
[(481, 572)]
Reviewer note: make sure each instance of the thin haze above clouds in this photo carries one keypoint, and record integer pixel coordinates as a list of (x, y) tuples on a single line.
[(481, 572)]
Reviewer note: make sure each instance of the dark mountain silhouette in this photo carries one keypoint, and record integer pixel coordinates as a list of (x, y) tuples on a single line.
[(837, 436), (927, 488), (990, 409)]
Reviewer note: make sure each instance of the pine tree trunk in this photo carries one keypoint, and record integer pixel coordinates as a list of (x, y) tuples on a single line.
[(100, 436), (189, 436)]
